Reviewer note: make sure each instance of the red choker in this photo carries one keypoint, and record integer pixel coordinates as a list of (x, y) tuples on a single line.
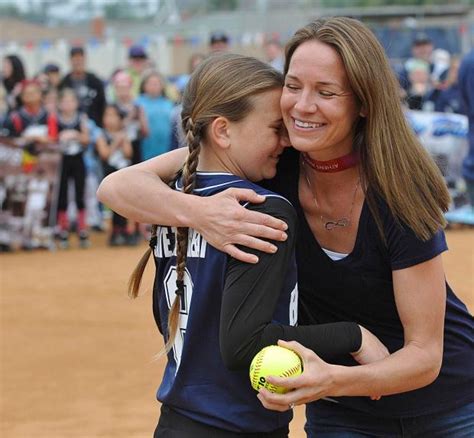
[(331, 166)]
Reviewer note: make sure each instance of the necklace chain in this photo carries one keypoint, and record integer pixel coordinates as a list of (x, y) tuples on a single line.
[(331, 224)]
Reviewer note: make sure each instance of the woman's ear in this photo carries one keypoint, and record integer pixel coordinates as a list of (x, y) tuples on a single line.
[(219, 132), (363, 111)]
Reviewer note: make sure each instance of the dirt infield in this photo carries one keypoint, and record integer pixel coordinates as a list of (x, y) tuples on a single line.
[(76, 353)]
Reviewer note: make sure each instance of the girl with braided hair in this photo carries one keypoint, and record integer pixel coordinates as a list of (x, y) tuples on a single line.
[(216, 312)]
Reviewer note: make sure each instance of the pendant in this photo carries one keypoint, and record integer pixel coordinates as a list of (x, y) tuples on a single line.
[(330, 225)]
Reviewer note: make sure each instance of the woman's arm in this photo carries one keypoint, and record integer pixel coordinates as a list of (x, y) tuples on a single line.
[(140, 193), (420, 294), (250, 298)]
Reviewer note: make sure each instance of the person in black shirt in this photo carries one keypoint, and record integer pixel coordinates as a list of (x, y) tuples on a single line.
[(88, 87)]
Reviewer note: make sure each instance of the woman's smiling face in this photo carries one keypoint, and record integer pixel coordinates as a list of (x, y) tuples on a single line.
[(318, 106)]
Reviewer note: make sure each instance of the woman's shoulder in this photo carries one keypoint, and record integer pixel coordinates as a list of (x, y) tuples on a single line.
[(404, 247)]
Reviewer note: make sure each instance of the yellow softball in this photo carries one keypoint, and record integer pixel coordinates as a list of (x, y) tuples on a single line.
[(274, 361)]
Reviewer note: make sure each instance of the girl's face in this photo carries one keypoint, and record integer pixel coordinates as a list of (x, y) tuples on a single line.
[(31, 94), (153, 86), (112, 121), (123, 89), (318, 106), (255, 141), (68, 104)]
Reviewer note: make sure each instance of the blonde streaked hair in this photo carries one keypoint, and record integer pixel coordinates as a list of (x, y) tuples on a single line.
[(394, 165)]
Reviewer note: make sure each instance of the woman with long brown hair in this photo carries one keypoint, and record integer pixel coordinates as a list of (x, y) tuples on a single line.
[(370, 203)]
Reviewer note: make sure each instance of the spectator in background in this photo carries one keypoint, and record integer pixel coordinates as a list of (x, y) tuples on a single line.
[(88, 87), (421, 88), (115, 151), (158, 109), (73, 136), (449, 98), (134, 116), (53, 74), (219, 42), (31, 123), (137, 64), (50, 99), (274, 54), (3, 106), (13, 73), (136, 126), (441, 61), (421, 50), (466, 89)]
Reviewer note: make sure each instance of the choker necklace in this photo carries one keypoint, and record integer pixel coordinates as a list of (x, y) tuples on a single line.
[(330, 224), (331, 166)]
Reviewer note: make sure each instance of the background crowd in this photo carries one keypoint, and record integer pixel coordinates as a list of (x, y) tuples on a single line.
[(97, 126)]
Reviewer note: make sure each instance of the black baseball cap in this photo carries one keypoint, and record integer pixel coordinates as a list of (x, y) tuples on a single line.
[(219, 37), (76, 50), (421, 38), (51, 68)]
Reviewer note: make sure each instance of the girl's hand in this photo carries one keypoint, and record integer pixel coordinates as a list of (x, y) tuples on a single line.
[(371, 349), (316, 381), (225, 223)]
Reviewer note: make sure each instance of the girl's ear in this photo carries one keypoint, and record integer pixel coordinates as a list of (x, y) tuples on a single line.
[(363, 111), (219, 132)]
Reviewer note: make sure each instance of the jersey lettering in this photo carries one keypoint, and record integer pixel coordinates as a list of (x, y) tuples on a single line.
[(166, 243)]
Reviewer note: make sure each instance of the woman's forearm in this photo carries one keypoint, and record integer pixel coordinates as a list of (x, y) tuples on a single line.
[(408, 369), (142, 196)]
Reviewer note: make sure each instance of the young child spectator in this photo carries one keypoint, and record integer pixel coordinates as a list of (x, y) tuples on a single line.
[(421, 88), (32, 124), (13, 73), (135, 121), (73, 136), (115, 151), (158, 110)]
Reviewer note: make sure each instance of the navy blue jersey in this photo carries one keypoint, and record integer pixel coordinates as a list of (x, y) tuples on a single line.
[(196, 382)]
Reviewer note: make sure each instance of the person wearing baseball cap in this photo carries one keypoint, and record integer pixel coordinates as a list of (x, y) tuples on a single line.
[(138, 62), (219, 42)]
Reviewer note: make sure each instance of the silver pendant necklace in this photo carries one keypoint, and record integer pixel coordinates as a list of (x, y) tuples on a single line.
[(331, 224)]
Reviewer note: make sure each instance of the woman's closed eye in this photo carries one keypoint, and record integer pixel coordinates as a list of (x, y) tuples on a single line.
[(325, 93), (292, 87)]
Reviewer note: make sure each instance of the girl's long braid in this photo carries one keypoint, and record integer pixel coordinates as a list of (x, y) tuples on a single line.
[(137, 274), (193, 139)]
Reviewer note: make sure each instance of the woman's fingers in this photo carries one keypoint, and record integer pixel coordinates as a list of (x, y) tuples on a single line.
[(230, 227), (275, 402), (238, 254)]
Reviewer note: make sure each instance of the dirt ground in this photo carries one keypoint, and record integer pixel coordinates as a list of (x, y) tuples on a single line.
[(77, 353)]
